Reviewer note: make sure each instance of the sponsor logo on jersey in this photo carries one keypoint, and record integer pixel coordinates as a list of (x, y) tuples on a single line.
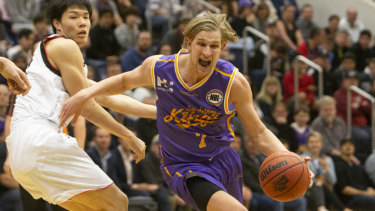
[(164, 85), (214, 97)]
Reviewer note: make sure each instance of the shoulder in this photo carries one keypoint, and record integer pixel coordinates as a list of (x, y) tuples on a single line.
[(62, 45)]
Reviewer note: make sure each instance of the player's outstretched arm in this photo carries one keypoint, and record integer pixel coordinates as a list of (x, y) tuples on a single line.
[(66, 56), (140, 76), (17, 79), (126, 105), (241, 96)]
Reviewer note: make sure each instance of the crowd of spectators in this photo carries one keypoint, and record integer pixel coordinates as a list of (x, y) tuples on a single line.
[(125, 32)]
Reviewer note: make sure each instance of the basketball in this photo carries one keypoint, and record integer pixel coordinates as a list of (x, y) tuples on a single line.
[(284, 176)]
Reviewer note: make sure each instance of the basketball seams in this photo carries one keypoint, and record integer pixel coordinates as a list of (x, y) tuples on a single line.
[(280, 156), (296, 182), (292, 166)]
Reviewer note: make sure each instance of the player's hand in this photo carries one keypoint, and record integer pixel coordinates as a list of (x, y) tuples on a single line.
[(138, 147), (16, 78), (72, 106), (312, 175)]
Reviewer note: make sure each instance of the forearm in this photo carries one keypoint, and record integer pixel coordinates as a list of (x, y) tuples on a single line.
[(127, 105), (267, 143), (348, 190), (109, 86), (80, 132)]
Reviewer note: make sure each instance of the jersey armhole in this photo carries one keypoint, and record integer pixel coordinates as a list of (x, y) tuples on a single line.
[(227, 93), (153, 71)]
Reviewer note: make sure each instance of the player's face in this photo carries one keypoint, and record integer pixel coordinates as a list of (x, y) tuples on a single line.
[(205, 51), (74, 24)]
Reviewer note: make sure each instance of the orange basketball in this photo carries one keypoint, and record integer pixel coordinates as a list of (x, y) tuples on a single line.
[(284, 176)]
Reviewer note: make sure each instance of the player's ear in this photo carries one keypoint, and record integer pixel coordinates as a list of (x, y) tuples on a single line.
[(188, 43), (223, 45), (56, 24)]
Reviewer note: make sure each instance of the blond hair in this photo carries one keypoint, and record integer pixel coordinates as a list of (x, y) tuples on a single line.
[(263, 92), (210, 22), (315, 134)]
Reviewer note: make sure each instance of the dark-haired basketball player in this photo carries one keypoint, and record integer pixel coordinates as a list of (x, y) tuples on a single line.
[(46, 162)]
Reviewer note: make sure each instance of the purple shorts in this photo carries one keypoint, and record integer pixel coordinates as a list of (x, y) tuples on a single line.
[(224, 170)]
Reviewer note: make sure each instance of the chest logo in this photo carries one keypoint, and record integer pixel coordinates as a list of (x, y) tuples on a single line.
[(214, 97)]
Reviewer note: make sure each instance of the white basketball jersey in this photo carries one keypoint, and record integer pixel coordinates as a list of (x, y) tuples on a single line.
[(47, 93)]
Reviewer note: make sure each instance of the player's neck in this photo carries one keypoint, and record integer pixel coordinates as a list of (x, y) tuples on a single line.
[(188, 72)]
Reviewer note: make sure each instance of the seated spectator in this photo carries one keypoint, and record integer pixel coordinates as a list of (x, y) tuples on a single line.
[(361, 50), (300, 126), (331, 127), (244, 18), (174, 37), (361, 110), (262, 13), (103, 44), (41, 27), (134, 56), (237, 144), (348, 64), (269, 95), (321, 195), (251, 160), (370, 167), (100, 152), (159, 11), (100, 4), (350, 24), (340, 48), (166, 49), (333, 26), (9, 189), (151, 174), (25, 44), (279, 125), (305, 83), (126, 33), (281, 4), (353, 185), (305, 21), (313, 44), (288, 30), (22, 13)]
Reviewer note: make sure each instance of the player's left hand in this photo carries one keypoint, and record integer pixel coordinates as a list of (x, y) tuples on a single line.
[(16, 78), (312, 175)]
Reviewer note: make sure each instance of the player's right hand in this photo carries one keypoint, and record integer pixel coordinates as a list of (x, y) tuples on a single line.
[(138, 147), (72, 106)]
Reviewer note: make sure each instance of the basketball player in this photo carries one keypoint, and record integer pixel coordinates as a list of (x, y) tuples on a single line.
[(16, 79), (198, 94), (46, 162)]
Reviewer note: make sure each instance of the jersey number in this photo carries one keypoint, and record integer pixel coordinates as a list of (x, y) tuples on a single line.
[(202, 144)]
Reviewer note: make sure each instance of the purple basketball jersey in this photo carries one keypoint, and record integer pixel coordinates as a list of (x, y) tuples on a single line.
[(194, 123)]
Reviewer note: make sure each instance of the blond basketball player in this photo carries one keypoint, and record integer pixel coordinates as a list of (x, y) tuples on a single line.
[(46, 162)]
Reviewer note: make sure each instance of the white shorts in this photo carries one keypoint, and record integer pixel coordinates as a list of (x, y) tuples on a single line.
[(50, 165)]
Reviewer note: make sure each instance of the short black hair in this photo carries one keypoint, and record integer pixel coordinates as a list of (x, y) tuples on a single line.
[(130, 11), (39, 18), (365, 32), (57, 7), (315, 32), (24, 33), (303, 109), (345, 141), (334, 16), (104, 11)]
